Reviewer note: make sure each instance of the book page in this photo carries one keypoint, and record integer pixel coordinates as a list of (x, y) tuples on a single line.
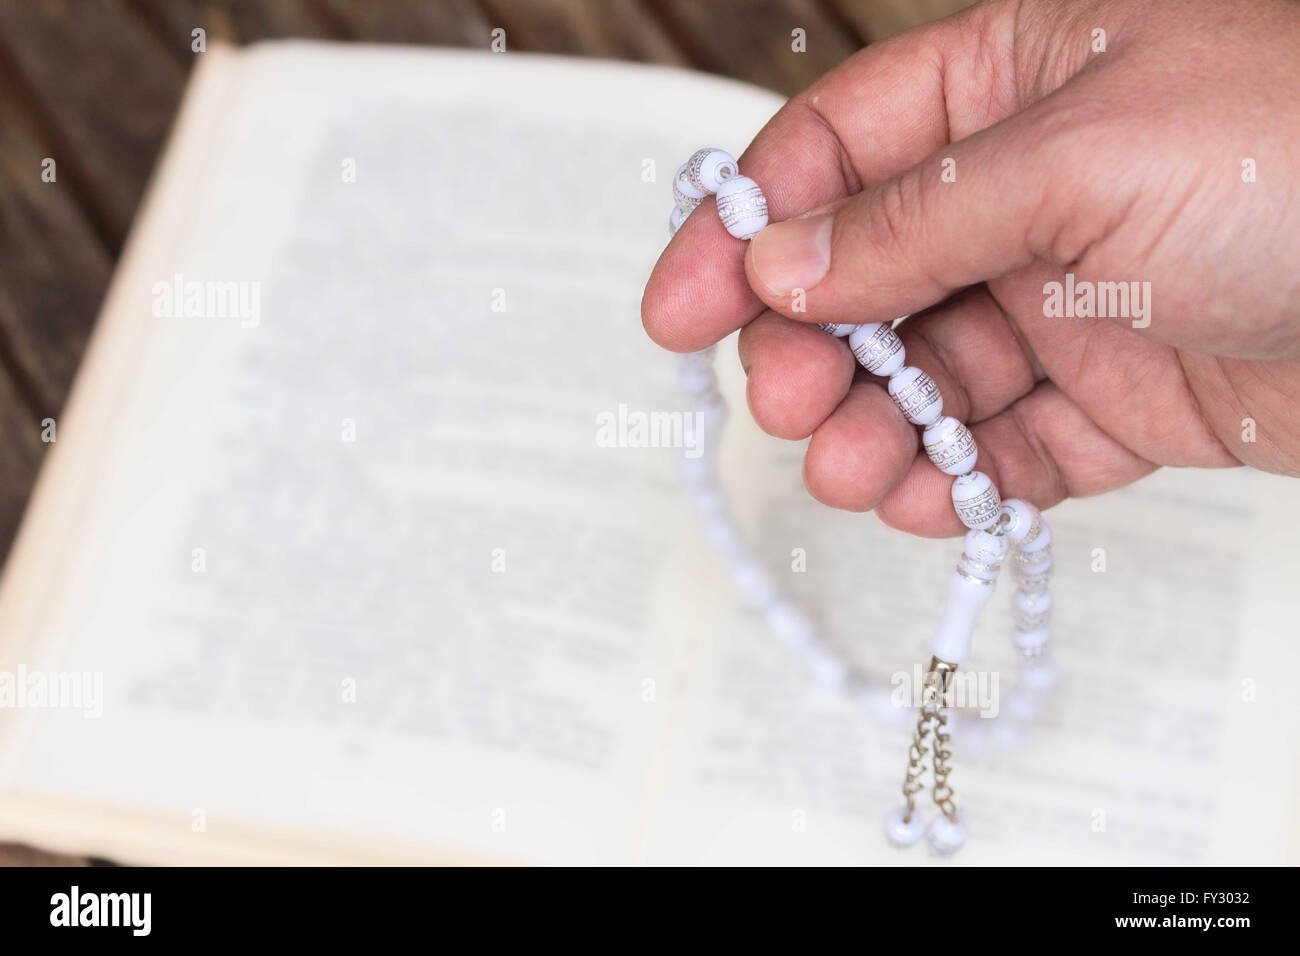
[(355, 565), (351, 551)]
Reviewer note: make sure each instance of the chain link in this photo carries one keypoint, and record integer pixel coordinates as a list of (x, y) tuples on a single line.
[(939, 688), (912, 784), (934, 694), (943, 792)]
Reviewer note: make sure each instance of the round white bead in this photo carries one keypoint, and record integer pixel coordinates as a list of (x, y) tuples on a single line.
[(1033, 562), (976, 500), (685, 202), (826, 668), (1040, 543), (838, 329), (985, 546), (721, 533), (1033, 580), (1021, 521), (709, 168), (951, 446), (676, 218), (754, 584), (695, 377), (1029, 639), (742, 207), (713, 413), (709, 501), (916, 395), (704, 356), (1031, 609), (903, 832), (878, 348), (944, 836), (1031, 602), (685, 192), (791, 626), (982, 554)]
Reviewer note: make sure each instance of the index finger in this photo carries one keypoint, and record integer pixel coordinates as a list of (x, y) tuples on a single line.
[(877, 114)]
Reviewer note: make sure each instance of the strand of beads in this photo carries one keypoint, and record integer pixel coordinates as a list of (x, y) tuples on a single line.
[(713, 171), (755, 585), (996, 527)]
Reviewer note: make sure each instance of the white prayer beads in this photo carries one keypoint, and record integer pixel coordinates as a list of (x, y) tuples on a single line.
[(967, 596), (1021, 521), (677, 217), (1001, 532), (945, 836), (982, 555), (1031, 563), (1033, 580), (685, 192), (916, 395), (975, 499), (742, 207), (878, 348), (903, 831), (1031, 609), (709, 168), (1031, 604), (950, 445)]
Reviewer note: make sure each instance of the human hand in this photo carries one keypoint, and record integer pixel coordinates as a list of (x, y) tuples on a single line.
[(1128, 165)]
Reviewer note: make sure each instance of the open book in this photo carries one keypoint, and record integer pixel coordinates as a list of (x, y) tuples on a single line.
[(331, 563)]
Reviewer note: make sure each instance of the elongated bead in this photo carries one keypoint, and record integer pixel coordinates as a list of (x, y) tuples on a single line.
[(742, 207), (878, 348), (951, 446), (967, 596), (975, 499), (916, 395)]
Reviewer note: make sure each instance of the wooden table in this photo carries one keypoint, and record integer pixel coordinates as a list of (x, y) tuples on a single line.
[(94, 84)]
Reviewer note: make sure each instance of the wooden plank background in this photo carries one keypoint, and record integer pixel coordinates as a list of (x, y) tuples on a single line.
[(94, 85)]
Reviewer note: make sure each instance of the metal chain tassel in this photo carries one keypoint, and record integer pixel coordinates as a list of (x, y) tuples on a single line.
[(912, 784), (943, 792)]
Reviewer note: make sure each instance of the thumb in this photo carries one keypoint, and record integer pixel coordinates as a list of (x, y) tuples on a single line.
[(977, 209)]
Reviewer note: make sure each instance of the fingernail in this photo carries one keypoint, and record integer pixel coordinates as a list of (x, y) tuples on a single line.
[(794, 254)]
